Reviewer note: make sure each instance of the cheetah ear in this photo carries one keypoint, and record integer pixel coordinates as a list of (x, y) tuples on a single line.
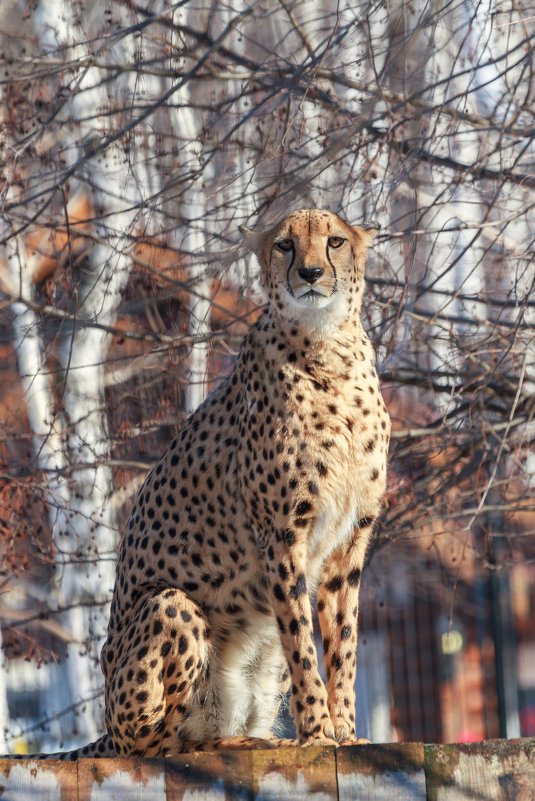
[(368, 230), (252, 239)]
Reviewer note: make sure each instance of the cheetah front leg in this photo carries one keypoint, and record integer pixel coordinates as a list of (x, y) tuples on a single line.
[(291, 603), (338, 605)]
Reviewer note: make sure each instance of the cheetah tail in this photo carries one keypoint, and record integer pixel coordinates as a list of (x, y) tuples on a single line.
[(103, 747)]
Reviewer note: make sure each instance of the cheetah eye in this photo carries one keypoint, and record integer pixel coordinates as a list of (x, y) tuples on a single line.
[(285, 245), (336, 241)]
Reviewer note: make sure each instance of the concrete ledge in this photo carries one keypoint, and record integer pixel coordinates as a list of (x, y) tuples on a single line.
[(496, 770)]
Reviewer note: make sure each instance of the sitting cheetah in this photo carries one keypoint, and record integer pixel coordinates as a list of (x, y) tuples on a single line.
[(265, 499)]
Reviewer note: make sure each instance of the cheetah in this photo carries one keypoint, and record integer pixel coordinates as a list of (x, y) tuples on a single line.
[(264, 502)]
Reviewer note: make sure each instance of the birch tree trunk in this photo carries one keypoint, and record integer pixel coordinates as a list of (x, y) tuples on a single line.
[(86, 556), (4, 708), (46, 426), (190, 236)]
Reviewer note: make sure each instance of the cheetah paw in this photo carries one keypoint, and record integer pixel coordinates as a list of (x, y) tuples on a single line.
[(318, 741), (355, 741), (323, 736)]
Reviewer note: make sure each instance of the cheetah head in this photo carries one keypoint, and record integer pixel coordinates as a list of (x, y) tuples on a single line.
[(312, 267)]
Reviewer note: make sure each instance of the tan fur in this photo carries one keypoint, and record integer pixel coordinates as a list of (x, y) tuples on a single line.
[(266, 497)]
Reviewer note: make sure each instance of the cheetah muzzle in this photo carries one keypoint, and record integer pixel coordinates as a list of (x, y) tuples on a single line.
[(265, 500)]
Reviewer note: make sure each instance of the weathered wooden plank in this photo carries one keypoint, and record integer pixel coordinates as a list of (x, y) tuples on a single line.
[(46, 780), (381, 772), (300, 774), (210, 776), (496, 770), (121, 780)]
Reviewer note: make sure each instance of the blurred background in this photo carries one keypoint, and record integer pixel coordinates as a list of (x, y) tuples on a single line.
[(135, 138)]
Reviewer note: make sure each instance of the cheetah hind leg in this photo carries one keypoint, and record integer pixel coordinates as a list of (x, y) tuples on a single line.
[(161, 660)]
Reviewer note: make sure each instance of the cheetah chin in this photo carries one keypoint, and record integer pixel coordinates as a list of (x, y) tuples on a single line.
[(316, 314), (264, 502)]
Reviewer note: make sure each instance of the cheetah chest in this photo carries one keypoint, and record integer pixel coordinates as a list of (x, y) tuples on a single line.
[(347, 502), (317, 434), (345, 469)]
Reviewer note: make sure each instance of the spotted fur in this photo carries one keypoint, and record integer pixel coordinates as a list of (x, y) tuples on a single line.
[(266, 498)]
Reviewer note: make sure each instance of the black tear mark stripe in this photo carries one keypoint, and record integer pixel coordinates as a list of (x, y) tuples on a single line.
[(288, 270), (333, 268)]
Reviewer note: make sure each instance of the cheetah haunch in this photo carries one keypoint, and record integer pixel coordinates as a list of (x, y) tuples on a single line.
[(266, 498)]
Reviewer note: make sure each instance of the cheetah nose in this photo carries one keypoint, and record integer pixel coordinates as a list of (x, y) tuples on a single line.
[(310, 274)]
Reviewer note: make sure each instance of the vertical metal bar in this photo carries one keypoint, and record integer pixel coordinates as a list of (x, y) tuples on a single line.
[(503, 626)]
